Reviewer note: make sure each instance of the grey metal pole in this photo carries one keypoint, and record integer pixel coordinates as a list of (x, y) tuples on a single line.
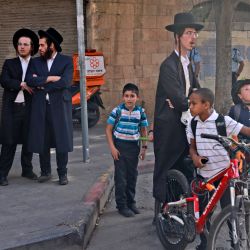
[(81, 58)]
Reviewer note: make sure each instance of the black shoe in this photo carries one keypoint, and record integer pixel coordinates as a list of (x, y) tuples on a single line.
[(3, 181), (63, 180), (31, 175), (134, 209), (126, 212), (44, 178), (201, 247)]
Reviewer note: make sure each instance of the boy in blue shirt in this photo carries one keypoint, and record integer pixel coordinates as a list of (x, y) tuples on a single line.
[(126, 123)]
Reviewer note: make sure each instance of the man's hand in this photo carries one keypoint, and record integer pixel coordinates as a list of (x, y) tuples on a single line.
[(53, 79), (197, 161), (142, 154), (24, 86)]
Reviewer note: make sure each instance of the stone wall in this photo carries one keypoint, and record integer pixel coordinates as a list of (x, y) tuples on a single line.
[(132, 36)]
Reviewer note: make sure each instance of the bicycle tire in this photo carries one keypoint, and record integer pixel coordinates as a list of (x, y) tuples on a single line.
[(180, 189), (219, 234)]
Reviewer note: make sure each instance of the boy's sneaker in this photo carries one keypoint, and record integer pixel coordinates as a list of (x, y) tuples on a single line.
[(134, 209), (126, 212)]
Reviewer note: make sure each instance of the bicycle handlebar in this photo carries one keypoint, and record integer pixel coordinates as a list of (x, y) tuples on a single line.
[(227, 141)]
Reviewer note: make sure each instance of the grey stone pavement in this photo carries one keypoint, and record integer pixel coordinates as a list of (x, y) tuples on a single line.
[(49, 216)]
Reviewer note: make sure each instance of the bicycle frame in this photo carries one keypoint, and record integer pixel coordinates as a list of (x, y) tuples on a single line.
[(227, 175)]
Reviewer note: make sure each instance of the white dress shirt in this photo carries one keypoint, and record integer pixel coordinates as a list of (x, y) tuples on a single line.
[(49, 64), (24, 63)]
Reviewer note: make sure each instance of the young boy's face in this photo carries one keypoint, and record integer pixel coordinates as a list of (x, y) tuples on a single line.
[(244, 94), (197, 107), (130, 98)]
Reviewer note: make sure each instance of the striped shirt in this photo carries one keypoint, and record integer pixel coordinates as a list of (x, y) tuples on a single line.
[(127, 124), (218, 158)]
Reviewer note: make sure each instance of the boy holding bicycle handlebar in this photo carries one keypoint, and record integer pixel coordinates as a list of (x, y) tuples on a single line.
[(209, 157)]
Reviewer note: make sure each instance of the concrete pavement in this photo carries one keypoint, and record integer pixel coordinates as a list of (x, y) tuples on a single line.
[(49, 216)]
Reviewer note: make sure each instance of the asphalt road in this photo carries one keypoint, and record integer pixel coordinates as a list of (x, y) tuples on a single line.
[(116, 232)]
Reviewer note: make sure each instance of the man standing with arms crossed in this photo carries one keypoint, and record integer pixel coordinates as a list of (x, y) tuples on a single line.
[(51, 116), (16, 105)]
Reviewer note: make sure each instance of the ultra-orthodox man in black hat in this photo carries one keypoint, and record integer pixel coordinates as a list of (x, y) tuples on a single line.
[(51, 115), (176, 82), (16, 105)]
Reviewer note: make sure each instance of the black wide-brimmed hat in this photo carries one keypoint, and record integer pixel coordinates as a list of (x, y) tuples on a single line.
[(54, 35), (26, 33), (182, 21)]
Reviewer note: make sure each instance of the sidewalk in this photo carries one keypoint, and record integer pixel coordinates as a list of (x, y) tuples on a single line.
[(49, 216)]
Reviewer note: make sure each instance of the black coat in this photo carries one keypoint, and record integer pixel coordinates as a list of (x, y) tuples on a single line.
[(60, 103), (170, 142), (11, 78)]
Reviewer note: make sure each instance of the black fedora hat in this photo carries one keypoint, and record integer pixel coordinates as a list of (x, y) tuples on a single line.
[(26, 33), (182, 21), (54, 35)]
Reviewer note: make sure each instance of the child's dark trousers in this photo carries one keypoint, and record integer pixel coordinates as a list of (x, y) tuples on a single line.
[(126, 173)]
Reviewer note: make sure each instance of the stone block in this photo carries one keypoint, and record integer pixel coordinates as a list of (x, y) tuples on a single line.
[(239, 34), (149, 34), (148, 21), (150, 70), (145, 59), (125, 47), (125, 21), (123, 60), (150, 46), (157, 58)]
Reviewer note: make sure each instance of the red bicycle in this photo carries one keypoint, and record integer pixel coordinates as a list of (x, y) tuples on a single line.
[(178, 222)]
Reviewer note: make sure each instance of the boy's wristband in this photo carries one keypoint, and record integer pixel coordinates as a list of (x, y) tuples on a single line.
[(144, 146)]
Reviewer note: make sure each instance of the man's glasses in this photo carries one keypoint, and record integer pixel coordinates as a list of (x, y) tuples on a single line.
[(23, 44), (191, 33)]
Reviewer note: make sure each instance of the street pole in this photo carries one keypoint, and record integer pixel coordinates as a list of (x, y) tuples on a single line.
[(81, 58)]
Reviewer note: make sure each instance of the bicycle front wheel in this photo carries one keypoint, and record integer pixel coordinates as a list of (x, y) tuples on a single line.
[(177, 188), (227, 227)]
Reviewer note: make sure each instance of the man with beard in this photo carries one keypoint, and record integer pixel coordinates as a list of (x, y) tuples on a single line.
[(176, 81), (16, 105), (51, 116)]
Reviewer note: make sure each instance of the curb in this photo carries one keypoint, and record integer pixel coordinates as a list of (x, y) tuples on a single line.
[(78, 235)]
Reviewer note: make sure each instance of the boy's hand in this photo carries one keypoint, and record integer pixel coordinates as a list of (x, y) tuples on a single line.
[(115, 153), (142, 154), (197, 161)]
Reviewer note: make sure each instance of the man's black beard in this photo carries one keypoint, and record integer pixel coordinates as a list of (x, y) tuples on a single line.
[(48, 54)]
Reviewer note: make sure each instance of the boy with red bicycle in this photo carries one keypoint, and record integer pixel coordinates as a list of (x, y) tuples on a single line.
[(209, 157)]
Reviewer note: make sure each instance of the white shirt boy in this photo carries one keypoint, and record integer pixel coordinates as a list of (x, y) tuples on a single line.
[(213, 150)]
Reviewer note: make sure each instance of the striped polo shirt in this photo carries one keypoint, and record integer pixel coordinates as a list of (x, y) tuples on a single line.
[(218, 158), (127, 124)]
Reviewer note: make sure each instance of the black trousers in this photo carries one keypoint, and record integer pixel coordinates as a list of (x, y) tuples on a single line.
[(126, 173), (19, 135), (45, 159)]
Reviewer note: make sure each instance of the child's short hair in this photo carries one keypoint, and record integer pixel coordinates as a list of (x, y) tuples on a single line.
[(206, 95), (131, 87)]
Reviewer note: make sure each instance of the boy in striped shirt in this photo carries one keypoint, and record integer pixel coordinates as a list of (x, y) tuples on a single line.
[(126, 123)]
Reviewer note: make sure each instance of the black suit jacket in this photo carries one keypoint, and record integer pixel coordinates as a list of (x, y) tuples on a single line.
[(10, 79), (60, 103), (170, 142)]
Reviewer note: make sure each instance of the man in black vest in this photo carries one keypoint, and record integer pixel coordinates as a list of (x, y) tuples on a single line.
[(17, 98)]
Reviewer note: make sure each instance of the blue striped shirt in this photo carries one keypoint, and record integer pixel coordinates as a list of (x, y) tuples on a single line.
[(127, 124)]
